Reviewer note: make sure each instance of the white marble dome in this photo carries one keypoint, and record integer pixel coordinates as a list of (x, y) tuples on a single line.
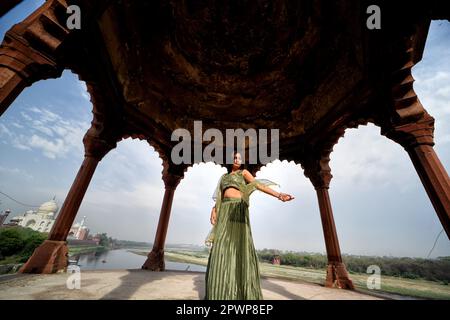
[(48, 207)]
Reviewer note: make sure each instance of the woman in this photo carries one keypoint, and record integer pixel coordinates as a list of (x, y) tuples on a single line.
[(233, 271)]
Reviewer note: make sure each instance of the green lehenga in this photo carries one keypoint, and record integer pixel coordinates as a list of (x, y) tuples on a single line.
[(233, 272)]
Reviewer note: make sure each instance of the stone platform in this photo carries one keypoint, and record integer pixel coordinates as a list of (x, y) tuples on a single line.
[(140, 284)]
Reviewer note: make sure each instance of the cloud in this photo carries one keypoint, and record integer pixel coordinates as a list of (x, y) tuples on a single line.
[(17, 125), (143, 195), (54, 136), (16, 172), (363, 157), (37, 125), (4, 131), (433, 89), (432, 84), (51, 149), (17, 143), (83, 90), (434, 93), (129, 164), (45, 115), (26, 116)]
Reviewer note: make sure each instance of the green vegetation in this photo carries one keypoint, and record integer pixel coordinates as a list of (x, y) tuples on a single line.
[(111, 243), (131, 244), (17, 244), (78, 249), (105, 241), (408, 268)]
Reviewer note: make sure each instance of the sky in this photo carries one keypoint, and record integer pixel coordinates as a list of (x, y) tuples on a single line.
[(380, 206)]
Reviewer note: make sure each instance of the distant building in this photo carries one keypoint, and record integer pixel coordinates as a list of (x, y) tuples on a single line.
[(90, 240), (3, 216), (79, 231), (276, 260), (83, 234), (41, 220), (96, 238)]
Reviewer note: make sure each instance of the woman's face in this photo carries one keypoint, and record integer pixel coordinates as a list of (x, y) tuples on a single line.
[(237, 160)]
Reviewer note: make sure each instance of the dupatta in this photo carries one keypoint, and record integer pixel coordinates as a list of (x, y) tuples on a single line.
[(246, 191)]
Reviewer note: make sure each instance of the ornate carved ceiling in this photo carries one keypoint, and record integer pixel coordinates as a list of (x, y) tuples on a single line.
[(309, 68)]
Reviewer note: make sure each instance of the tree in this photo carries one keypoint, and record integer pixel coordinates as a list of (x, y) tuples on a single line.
[(11, 242), (104, 241)]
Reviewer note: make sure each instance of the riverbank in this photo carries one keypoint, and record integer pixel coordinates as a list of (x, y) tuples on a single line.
[(76, 250), (12, 264), (389, 285)]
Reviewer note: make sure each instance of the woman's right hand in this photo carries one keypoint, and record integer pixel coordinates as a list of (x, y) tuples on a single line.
[(213, 218)]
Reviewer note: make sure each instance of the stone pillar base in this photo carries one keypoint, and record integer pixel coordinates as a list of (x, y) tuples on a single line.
[(49, 257), (155, 261), (337, 277)]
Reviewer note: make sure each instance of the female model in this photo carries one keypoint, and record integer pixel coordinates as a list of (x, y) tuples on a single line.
[(233, 271)]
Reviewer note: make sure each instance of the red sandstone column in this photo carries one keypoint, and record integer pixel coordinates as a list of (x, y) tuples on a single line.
[(51, 255), (155, 259), (319, 172), (417, 139)]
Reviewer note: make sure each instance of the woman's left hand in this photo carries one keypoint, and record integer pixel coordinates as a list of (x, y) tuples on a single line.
[(213, 217)]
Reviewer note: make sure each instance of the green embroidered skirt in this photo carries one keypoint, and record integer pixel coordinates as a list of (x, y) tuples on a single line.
[(233, 270)]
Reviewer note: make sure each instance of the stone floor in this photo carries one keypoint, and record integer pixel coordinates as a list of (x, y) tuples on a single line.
[(141, 284)]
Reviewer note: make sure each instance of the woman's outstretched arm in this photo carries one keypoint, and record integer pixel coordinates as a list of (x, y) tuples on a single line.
[(282, 196)]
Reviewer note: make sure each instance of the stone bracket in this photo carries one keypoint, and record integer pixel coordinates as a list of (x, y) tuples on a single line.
[(337, 276), (155, 261), (410, 135), (50, 257)]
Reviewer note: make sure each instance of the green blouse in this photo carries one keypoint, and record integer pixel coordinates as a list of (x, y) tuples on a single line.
[(236, 180)]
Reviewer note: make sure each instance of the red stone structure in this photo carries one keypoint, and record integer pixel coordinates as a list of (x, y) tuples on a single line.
[(276, 260), (310, 68)]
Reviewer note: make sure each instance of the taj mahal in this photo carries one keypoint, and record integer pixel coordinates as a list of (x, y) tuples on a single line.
[(41, 220)]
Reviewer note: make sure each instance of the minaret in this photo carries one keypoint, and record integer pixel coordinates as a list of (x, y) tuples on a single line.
[(81, 226), (3, 216)]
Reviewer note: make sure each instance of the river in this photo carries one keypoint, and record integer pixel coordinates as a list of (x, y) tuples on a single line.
[(124, 259)]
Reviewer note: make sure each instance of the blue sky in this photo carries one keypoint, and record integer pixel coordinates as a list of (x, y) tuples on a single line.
[(380, 206)]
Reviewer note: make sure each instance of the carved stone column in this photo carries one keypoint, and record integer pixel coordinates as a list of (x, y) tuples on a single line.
[(30, 50), (417, 139), (155, 259), (316, 168), (410, 125), (51, 255)]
